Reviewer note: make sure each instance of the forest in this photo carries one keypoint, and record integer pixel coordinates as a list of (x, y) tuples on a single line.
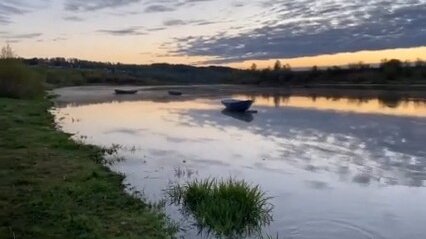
[(61, 71)]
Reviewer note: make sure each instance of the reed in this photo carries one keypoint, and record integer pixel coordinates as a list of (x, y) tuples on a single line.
[(227, 208)]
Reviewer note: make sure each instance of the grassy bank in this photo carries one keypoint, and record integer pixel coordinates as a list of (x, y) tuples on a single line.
[(52, 187)]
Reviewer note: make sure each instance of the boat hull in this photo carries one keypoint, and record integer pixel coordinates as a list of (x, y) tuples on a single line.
[(177, 93), (237, 105), (125, 92)]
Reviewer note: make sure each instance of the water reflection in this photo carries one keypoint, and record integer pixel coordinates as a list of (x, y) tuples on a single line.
[(391, 100), (185, 173), (385, 103), (336, 168), (361, 149), (243, 116)]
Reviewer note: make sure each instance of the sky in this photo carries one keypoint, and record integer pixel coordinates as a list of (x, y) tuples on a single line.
[(235, 33)]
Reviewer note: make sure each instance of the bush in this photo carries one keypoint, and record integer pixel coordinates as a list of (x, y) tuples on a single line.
[(64, 77), (226, 208), (19, 81)]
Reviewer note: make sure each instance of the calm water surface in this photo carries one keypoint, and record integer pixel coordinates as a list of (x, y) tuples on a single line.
[(336, 168)]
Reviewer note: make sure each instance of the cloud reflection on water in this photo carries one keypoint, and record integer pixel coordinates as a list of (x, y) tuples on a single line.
[(319, 164), (380, 148)]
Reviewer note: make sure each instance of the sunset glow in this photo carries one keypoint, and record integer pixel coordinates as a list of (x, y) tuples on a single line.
[(216, 32)]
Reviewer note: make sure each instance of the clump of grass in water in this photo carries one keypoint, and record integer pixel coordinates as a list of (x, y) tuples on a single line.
[(228, 208)]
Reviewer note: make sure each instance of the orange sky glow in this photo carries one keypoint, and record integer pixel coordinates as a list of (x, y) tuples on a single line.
[(369, 57), (301, 33)]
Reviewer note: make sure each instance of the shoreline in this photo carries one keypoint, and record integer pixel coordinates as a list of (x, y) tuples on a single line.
[(105, 93), (55, 187)]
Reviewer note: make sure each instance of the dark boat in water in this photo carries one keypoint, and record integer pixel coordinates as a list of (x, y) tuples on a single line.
[(237, 105), (174, 92), (125, 92)]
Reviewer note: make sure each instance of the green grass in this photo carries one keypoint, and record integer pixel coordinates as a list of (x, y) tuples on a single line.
[(227, 208), (52, 187)]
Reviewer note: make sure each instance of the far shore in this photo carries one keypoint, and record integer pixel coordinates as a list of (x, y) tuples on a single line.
[(105, 93)]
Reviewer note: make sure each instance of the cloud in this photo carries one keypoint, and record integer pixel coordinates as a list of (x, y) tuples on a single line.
[(4, 20), (260, 29), (171, 5), (25, 36), (13, 41), (151, 5), (11, 8), (15, 38), (205, 22), (93, 5), (174, 22), (179, 22), (60, 39), (238, 4), (159, 8), (124, 13), (73, 19), (155, 29), (135, 31), (307, 28), (186, 2)]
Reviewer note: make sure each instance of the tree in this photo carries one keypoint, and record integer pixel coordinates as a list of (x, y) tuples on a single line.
[(419, 63), (358, 66), (407, 64), (314, 72), (393, 63), (7, 52), (286, 67), (392, 68), (253, 67), (277, 65)]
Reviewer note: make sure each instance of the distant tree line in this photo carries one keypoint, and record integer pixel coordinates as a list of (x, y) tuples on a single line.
[(61, 71), (161, 73), (387, 72), (80, 71)]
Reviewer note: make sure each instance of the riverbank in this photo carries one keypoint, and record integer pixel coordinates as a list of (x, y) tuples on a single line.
[(53, 187)]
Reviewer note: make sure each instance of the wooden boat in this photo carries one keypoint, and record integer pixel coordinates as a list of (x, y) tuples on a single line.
[(125, 92), (174, 92), (237, 105)]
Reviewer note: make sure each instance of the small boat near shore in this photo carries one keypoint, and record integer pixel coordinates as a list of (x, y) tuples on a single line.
[(237, 105), (125, 92), (174, 92)]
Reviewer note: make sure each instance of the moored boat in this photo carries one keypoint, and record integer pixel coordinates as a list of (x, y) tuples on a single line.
[(125, 92), (174, 92), (237, 105)]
